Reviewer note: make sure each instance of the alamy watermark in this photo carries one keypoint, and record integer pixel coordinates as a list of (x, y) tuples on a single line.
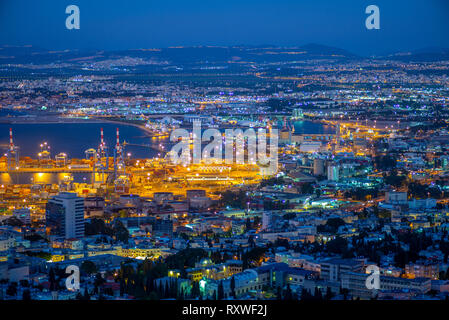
[(72, 282), (373, 20), (373, 280), (233, 141), (73, 20)]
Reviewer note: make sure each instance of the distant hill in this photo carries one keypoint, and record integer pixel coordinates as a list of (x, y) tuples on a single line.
[(317, 49), (179, 55), (20, 50), (421, 55), (210, 54)]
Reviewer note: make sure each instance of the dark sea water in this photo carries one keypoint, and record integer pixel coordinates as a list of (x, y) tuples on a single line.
[(74, 138), (309, 127)]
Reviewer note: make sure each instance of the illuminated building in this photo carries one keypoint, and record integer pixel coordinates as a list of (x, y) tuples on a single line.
[(267, 218), (355, 282), (297, 113), (206, 269), (318, 167), (333, 269), (65, 215), (163, 228), (422, 270), (333, 172)]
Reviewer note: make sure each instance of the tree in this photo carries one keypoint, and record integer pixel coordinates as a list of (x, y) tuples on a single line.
[(305, 294), (185, 258), (12, 289), (220, 290), (86, 295), (120, 232), (181, 294), (99, 281), (329, 294), (122, 287), (26, 295), (338, 245), (233, 287), (288, 293), (394, 180), (97, 226), (307, 188), (317, 295), (386, 162), (24, 283), (344, 292), (248, 224), (251, 241), (52, 280), (253, 257), (88, 267), (153, 296), (234, 199), (278, 293), (195, 289), (417, 190), (332, 225)]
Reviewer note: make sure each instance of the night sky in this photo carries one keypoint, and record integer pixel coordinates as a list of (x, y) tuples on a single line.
[(120, 24)]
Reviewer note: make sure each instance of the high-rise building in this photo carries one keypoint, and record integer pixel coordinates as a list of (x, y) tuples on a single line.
[(297, 113), (267, 220), (333, 172), (318, 167), (163, 228), (65, 215)]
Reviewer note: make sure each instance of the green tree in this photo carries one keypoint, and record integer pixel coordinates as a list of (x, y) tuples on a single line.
[(220, 290), (329, 294), (233, 286), (86, 295), (26, 295), (12, 289), (120, 232), (288, 293), (88, 267)]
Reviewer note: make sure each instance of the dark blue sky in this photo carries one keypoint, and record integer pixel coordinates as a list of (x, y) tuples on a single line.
[(121, 24)]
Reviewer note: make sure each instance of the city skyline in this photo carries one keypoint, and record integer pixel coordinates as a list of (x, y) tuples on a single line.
[(242, 151)]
